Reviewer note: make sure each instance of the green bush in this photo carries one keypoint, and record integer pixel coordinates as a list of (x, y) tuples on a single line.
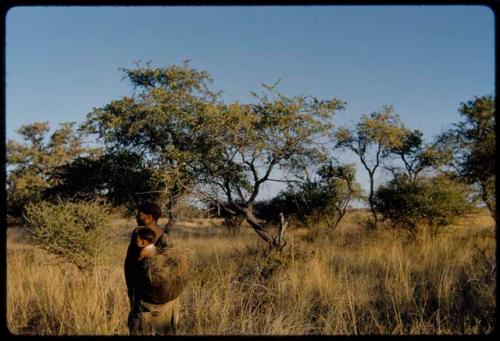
[(77, 232), (433, 202), (313, 201)]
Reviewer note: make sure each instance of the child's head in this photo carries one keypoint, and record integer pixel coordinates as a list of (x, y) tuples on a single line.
[(145, 237), (148, 214)]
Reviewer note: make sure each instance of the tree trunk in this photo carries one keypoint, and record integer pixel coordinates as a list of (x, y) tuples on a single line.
[(261, 230), (372, 205), (172, 218), (276, 243), (486, 198)]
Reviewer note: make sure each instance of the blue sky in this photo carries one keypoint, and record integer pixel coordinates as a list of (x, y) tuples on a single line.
[(63, 61)]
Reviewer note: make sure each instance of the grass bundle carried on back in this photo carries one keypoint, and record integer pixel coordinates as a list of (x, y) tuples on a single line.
[(167, 275)]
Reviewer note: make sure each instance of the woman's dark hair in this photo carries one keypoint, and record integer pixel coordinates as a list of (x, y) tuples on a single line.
[(150, 208)]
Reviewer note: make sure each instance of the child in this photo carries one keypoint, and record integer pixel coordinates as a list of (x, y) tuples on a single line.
[(145, 239)]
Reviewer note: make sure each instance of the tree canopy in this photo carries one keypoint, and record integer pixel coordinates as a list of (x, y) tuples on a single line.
[(373, 138), (176, 136), (34, 161), (472, 144), (194, 142), (415, 155)]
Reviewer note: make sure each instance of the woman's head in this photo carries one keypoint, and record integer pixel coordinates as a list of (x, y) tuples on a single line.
[(148, 214)]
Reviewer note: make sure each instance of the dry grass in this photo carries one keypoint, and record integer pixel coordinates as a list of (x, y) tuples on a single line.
[(346, 282)]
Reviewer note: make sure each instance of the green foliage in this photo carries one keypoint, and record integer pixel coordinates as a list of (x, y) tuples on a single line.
[(303, 202), (415, 155), (325, 199), (374, 136), (76, 232), (180, 78), (472, 142), (256, 139), (431, 202), (194, 142), (340, 187), (381, 129), (34, 161), (164, 121), (120, 177)]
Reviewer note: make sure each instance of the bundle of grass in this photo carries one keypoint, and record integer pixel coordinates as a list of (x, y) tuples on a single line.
[(167, 276)]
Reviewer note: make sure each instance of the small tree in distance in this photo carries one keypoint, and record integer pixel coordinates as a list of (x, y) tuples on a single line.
[(372, 139), (324, 199), (341, 188), (415, 155)]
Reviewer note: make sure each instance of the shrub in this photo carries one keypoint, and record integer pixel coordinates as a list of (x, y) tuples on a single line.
[(325, 199), (76, 232), (306, 203), (434, 202), (286, 202)]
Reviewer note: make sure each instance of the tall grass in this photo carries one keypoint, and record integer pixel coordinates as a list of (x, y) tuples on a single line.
[(346, 282)]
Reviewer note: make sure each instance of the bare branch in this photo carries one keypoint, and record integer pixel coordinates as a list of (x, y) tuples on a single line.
[(281, 242), (254, 170), (284, 181), (269, 170)]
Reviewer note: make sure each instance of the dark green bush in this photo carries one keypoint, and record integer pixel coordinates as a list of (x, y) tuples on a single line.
[(311, 202), (76, 232), (433, 202), (120, 177)]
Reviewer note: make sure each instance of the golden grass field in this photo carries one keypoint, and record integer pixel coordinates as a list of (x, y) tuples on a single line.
[(346, 282)]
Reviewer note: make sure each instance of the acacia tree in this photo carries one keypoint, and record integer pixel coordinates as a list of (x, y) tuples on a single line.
[(197, 144), (277, 132), (163, 122), (415, 155), (472, 142), (371, 140), (34, 161), (340, 187)]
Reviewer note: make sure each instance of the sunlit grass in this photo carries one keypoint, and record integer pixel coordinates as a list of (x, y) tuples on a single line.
[(346, 282)]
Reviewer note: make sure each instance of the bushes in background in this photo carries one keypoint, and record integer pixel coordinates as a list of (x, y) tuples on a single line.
[(433, 201)]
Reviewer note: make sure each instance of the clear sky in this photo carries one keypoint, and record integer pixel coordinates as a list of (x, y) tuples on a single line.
[(63, 61)]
